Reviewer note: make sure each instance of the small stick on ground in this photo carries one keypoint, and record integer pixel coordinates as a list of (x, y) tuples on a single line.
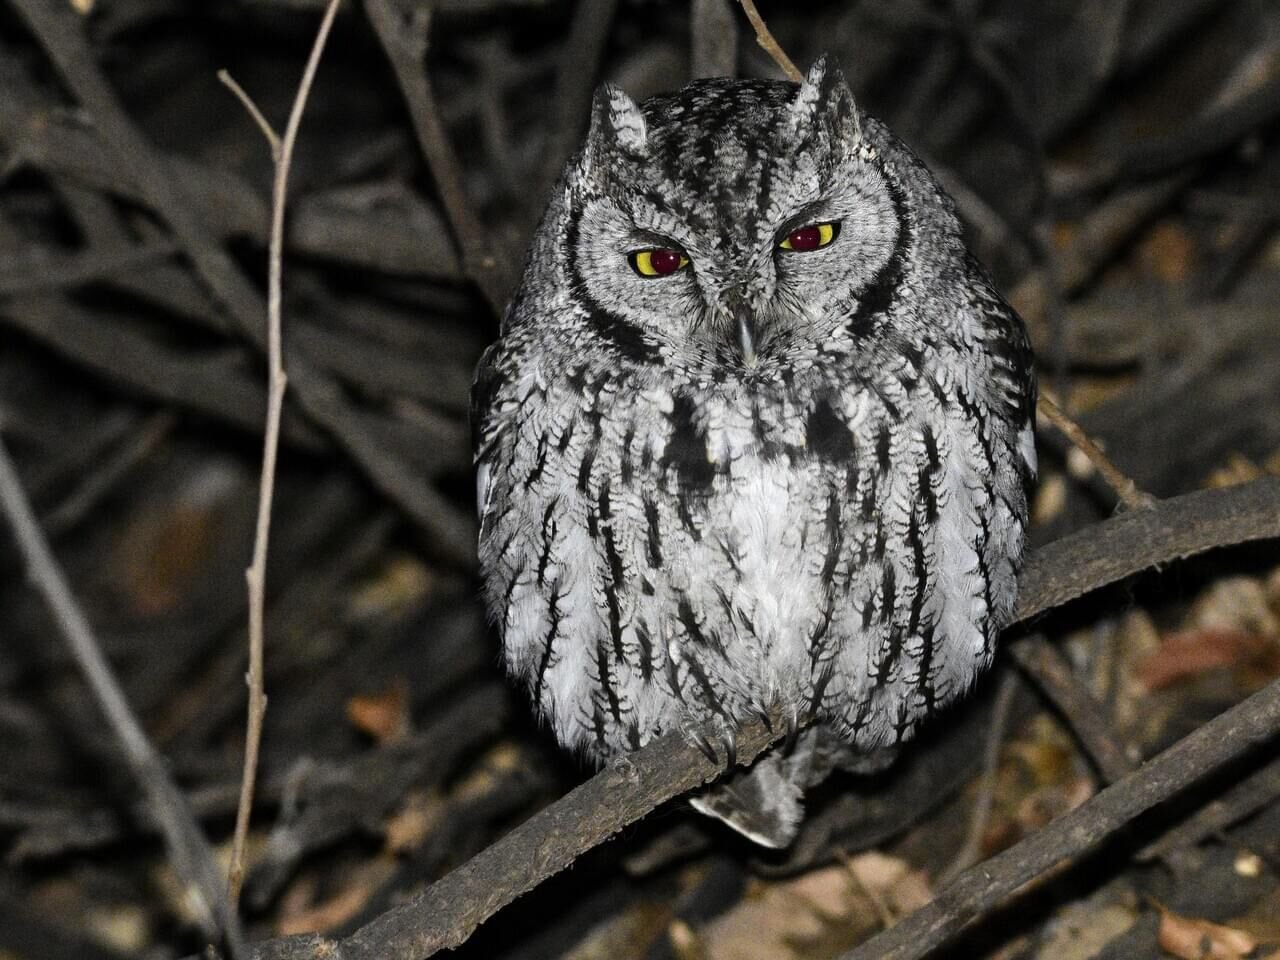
[(1086, 718), (256, 575), (770, 45)]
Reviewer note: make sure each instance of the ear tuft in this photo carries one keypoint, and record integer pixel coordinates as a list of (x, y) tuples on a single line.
[(616, 120), (824, 99)]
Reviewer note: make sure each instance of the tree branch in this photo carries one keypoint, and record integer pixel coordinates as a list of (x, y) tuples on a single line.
[(771, 46), (405, 44), (448, 911), (256, 575), (986, 887), (320, 396)]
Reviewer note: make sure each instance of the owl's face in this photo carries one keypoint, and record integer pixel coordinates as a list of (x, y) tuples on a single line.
[(731, 225)]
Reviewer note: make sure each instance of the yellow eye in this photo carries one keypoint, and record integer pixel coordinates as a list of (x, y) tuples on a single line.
[(810, 237), (658, 262)]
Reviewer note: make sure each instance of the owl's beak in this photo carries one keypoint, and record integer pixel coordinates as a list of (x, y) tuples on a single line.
[(744, 323)]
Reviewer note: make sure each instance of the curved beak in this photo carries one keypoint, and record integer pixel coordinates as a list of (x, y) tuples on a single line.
[(745, 329)]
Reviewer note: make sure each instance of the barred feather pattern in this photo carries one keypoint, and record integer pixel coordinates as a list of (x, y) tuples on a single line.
[(680, 531)]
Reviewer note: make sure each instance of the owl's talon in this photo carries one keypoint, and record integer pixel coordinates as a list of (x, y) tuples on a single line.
[(793, 732), (729, 738), (702, 743)]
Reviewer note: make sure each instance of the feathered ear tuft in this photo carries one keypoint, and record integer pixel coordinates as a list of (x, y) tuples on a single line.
[(824, 101), (616, 122)]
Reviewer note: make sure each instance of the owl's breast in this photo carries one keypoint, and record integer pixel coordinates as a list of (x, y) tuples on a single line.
[(662, 551)]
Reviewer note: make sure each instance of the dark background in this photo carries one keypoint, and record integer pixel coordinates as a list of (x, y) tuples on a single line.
[(1118, 168)]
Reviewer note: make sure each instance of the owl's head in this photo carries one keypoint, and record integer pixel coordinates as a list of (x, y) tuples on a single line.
[(733, 225)]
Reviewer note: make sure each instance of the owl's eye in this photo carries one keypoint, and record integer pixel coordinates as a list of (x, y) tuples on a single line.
[(657, 262), (811, 236)]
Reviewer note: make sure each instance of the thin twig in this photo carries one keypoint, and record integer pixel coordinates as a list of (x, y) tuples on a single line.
[(1128, 491), (189, 850), (282, 154), (971, 851), (770, 45), (1047, 668), (405, 44), (246, 101)]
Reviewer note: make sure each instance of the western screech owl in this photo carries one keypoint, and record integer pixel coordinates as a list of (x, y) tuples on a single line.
[(757, 433)]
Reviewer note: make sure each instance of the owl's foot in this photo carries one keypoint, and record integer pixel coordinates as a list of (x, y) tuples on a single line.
[(729, 740), (723, 733)]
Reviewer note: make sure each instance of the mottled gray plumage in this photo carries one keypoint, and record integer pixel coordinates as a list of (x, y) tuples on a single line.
[(772, 477)]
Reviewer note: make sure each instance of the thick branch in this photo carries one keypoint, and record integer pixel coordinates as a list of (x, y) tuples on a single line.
[(984, 888), (448, 912)]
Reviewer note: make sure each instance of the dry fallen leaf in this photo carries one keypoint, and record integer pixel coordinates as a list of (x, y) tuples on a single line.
[(1137, 715), (1082, 931), (1193, 939), (1050, 499), (409, 826), (1048, 803), (1237, 470), (1190, 653), (1168, 252), (819, 914), (383, 716), (891, 880), (401, 583), (1236, 603), (164, 550), (361, 883)]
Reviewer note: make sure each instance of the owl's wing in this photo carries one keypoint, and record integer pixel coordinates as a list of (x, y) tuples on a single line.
[(1013, 365), (484, 435)]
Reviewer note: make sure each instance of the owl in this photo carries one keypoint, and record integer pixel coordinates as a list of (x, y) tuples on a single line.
[(756, 436)]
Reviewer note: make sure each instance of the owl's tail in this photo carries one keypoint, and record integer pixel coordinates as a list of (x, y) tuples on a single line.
[(765, 802)]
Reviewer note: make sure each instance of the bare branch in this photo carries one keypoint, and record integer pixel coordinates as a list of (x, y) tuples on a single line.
[(282, 153), (986, 887), (1125, 488), (246, 101), (406, 46), (770, 45), (1045, 665)]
